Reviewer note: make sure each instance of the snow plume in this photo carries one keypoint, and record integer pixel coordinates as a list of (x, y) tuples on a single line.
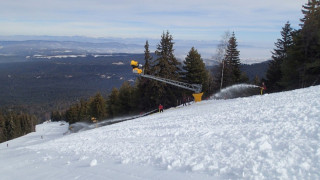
[(235, 91)]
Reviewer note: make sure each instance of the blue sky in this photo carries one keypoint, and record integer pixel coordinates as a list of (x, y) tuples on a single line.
[(256, 22)]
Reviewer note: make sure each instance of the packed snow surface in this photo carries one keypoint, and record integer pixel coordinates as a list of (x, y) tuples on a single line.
[(273, 136)]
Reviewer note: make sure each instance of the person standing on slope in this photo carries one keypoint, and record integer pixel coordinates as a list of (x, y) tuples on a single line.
[(160, 108), (263, 88), (184, 101)]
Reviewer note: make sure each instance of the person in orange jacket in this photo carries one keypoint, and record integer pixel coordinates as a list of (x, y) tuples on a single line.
[(160, 108)]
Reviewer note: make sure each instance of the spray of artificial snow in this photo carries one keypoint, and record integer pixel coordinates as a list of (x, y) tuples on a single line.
[(235, 91)]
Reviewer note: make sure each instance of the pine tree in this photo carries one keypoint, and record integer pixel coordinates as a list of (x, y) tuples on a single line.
[(274, 73), (113, 107), (310, 12), (166, 66), (302, 66), (98, 106), (147, 59), (232, 63), (145, 86), (10, 127), (84, 111), (310, 33), (126, 99), (195, 70), (2, 129), (72, 114), (56, 116)]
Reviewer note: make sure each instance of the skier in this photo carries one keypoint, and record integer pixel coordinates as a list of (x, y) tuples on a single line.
[(160, 108), (263, 88)]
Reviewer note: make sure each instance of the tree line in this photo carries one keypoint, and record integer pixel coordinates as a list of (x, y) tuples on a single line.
[(296, 57), (13, 125), (295, 64), (146, 94)]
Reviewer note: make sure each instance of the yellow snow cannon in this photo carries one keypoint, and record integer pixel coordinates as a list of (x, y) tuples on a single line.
[(137, 70), (134, 64), (197, 96)]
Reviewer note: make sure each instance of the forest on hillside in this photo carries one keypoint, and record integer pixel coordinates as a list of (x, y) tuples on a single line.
[(295, 63)]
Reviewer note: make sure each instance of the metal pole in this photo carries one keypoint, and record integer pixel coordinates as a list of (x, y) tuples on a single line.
[(222, 74)]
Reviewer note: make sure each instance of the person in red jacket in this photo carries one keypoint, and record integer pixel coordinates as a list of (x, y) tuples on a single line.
[(160, 108)]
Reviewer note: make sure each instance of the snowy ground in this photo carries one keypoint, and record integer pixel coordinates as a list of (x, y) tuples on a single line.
[(274, 136)]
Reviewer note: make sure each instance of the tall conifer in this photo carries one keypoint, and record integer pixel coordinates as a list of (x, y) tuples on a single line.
[(195, 70), (302, 66), (113, 103), (98, 106), (146, 87), (2, 129), (232, 62), (166, 66), (274, 73)]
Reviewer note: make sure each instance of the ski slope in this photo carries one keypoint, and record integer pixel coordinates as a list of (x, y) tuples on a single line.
[(273, 136)]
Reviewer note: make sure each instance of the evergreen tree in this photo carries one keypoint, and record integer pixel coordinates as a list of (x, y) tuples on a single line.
[(84, 111), (166, 66), (195, 70), (113, 103), (72, 114), (17, 125), (126, 99), (302, 66), (310, 33), (56, 116), (98, 106), (3, 132), (13, 125), (147, 59), (232, 71), (10, 127), (145, 86), (274, 73)]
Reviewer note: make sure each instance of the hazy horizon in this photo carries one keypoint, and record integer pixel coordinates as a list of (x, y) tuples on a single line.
[(257, 24)]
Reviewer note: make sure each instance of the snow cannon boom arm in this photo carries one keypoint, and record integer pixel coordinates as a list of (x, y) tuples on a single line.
[(197, 88)]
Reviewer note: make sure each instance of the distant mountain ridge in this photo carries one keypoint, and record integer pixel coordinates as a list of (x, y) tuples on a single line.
[(32, 47), (257, 69), (11, 45)]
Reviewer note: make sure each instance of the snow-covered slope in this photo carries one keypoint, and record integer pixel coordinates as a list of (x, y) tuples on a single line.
[(274, 136)]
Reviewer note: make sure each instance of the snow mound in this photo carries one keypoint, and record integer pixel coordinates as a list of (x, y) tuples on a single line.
[(94, 162)]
